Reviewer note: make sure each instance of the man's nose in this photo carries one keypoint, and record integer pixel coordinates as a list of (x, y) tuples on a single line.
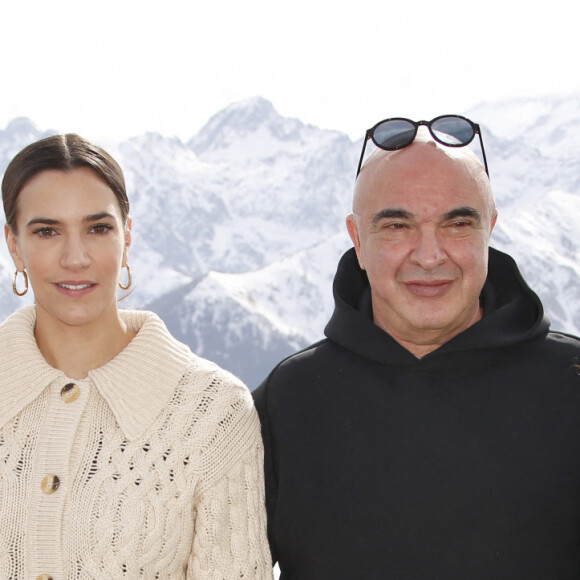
[(428, 251)]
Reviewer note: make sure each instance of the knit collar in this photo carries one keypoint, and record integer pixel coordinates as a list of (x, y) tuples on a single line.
[(136, 384)]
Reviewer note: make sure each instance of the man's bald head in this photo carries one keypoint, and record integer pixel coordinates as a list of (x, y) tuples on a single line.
[(416, 158), (421, 223)]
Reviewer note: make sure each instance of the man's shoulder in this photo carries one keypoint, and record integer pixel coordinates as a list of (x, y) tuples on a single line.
[(300, 370), (565, 337), (558, 341), (566, 345), (555, 354), (303, 360)]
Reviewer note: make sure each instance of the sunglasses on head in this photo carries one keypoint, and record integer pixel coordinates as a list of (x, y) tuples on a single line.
[(396, 133)]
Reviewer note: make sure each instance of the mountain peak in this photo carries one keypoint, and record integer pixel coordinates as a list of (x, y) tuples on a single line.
[(249, 113), (20, 128), (239, 121)]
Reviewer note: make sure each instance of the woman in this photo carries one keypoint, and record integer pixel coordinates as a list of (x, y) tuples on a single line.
[(122, 454)]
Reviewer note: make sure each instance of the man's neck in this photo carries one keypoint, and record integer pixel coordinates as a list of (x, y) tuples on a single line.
[(420, 342)]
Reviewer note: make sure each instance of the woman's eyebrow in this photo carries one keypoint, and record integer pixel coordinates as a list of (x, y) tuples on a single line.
[(98, 216), (52, 222), (42, 220)]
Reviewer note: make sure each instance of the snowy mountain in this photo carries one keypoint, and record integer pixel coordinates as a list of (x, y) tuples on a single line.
[(237, 233)]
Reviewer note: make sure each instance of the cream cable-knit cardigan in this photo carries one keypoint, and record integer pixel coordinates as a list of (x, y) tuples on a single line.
[(158, 460)]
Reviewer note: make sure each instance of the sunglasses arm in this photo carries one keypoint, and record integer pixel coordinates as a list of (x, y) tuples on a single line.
[(482, 150), (367, 137)]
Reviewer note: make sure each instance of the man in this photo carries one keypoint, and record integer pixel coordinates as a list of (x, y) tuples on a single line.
[(435, 432)]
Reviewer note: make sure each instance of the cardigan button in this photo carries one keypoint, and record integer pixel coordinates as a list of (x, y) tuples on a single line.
[(44, 577), (70, 392), (50, 484)]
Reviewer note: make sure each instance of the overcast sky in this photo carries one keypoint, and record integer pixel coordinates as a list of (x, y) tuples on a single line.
[(114, 69)]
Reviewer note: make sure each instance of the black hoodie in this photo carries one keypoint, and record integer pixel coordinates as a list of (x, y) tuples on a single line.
[(464, 464)]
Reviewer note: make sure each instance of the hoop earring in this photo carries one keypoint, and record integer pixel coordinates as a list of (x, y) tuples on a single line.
[(14, 289), (129, 279)]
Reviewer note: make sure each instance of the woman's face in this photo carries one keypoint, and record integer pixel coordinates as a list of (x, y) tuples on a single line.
[(72, 241)]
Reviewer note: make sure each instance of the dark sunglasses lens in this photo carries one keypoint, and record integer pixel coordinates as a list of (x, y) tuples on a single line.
[(394, 134), (453, 131)]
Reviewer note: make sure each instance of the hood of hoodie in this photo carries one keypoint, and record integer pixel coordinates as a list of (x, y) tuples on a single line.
[(513, 313)]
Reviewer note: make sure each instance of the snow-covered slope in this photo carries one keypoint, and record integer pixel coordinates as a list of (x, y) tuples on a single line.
[(237, 233)]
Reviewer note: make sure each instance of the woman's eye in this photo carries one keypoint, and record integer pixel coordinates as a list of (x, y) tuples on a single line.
[(101, 228), (45, 232)]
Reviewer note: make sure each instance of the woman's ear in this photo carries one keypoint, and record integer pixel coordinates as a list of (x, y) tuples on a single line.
[(12, 242), (128, 227)]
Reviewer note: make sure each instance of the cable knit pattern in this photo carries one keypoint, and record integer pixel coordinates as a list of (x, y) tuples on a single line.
[(158, 459)]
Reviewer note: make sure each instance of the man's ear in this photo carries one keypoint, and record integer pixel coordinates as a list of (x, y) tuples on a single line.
[(493, 220), (352, 228), (12, 242)]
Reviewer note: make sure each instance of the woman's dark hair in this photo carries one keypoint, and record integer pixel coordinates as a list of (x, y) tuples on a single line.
[(61, 153)]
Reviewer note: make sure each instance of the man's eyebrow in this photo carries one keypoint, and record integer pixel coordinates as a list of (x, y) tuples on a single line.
[(466, 211), (390, 213)]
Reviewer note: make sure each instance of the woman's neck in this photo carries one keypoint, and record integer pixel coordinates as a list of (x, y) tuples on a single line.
[(75, 350)]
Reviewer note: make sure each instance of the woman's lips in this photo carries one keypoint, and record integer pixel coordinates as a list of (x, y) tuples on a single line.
[(75, 288)]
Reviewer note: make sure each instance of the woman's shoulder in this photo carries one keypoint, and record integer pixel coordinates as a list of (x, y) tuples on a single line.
[(220, 388), (21, 320), (199, 372), (17, 341), (222, 409)]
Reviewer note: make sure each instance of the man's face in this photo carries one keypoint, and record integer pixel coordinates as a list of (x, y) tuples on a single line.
[(421, 228)]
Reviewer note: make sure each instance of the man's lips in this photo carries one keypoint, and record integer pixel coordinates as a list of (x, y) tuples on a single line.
[(428, 288)]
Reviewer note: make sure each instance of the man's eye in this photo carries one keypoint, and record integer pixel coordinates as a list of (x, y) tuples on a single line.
[(459, 228)]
